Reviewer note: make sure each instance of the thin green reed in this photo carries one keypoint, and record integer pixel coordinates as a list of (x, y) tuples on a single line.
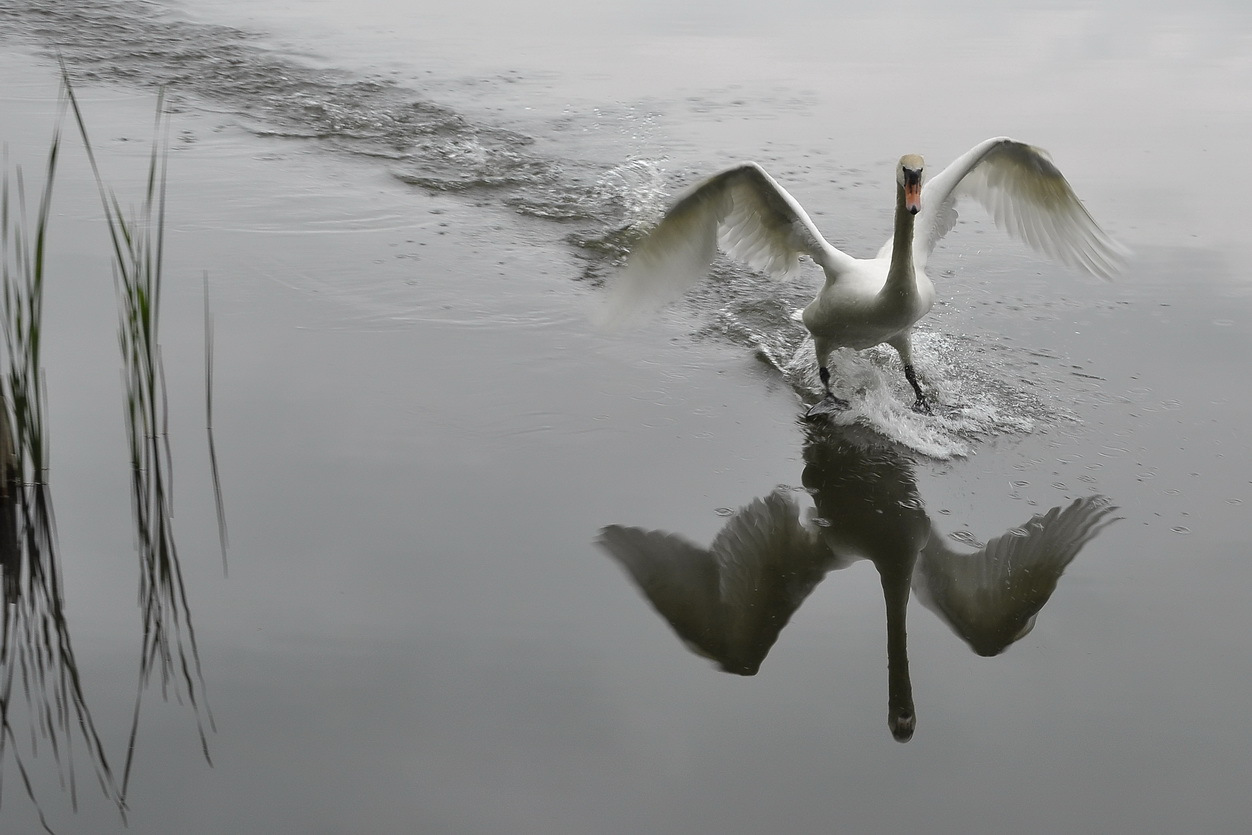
[(35, 646), (138, 239)]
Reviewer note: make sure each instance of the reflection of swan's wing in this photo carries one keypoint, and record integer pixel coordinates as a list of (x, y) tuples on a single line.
[(753, 218), (1026, 195), (679, 578), (991, 597), (770, 563), (729, 602)]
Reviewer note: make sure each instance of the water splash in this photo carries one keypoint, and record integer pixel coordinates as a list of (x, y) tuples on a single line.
[(975, 399)]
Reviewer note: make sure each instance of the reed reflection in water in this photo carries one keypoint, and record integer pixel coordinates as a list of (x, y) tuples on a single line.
[(39, 680), (169, 638), (730, 602)]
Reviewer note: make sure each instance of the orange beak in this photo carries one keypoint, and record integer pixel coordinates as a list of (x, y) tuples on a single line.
[(913, 197)]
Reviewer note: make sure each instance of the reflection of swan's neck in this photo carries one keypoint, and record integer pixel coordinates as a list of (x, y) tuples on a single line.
[(900, 276), (901, 716)]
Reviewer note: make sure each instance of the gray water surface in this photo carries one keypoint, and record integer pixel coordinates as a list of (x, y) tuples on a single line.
[(425, 446)]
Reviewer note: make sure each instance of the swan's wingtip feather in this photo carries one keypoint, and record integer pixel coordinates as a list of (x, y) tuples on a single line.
[(1027, 195)]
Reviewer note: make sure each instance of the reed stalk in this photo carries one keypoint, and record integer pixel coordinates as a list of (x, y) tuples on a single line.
[(39, 680), (169, 649)]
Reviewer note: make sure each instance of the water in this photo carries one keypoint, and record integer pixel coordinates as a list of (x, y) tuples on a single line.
[(406, 217)]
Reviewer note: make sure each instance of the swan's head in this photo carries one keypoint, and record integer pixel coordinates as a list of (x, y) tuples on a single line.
[(909, 178), (902, 721)]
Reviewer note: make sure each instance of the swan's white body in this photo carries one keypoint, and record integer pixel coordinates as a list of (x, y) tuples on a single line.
[(865, 301)]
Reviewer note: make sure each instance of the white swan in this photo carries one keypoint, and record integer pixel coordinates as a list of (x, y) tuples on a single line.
[(865, 301)]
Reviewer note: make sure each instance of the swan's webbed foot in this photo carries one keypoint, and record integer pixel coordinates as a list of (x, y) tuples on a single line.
[(829, 403), (922, 405), (825, 406)]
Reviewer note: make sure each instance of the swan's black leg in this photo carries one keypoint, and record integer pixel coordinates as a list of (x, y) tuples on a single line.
[(829, 401), (922, 405)]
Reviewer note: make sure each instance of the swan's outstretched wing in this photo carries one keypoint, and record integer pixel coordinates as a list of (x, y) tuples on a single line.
[(1025, 194), (745, 211), (991, 597), (728, 602)]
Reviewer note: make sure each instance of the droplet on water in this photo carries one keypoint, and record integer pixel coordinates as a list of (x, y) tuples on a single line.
[(967, 538)]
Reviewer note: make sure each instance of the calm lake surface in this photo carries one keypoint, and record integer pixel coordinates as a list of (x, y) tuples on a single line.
[(477, 547)]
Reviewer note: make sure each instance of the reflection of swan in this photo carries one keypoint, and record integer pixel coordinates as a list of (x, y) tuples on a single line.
[(992, 597), (867, 502), (865, 301), (729, 602)]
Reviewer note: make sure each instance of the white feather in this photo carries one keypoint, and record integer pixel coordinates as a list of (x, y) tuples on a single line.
[(1027, 196)]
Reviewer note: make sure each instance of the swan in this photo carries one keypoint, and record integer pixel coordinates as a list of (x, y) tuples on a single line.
[(865, 301)]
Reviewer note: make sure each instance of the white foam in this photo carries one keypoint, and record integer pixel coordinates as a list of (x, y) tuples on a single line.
[(974, 399)]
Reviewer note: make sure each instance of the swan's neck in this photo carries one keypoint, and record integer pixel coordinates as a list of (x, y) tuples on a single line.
[(900, 276)]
